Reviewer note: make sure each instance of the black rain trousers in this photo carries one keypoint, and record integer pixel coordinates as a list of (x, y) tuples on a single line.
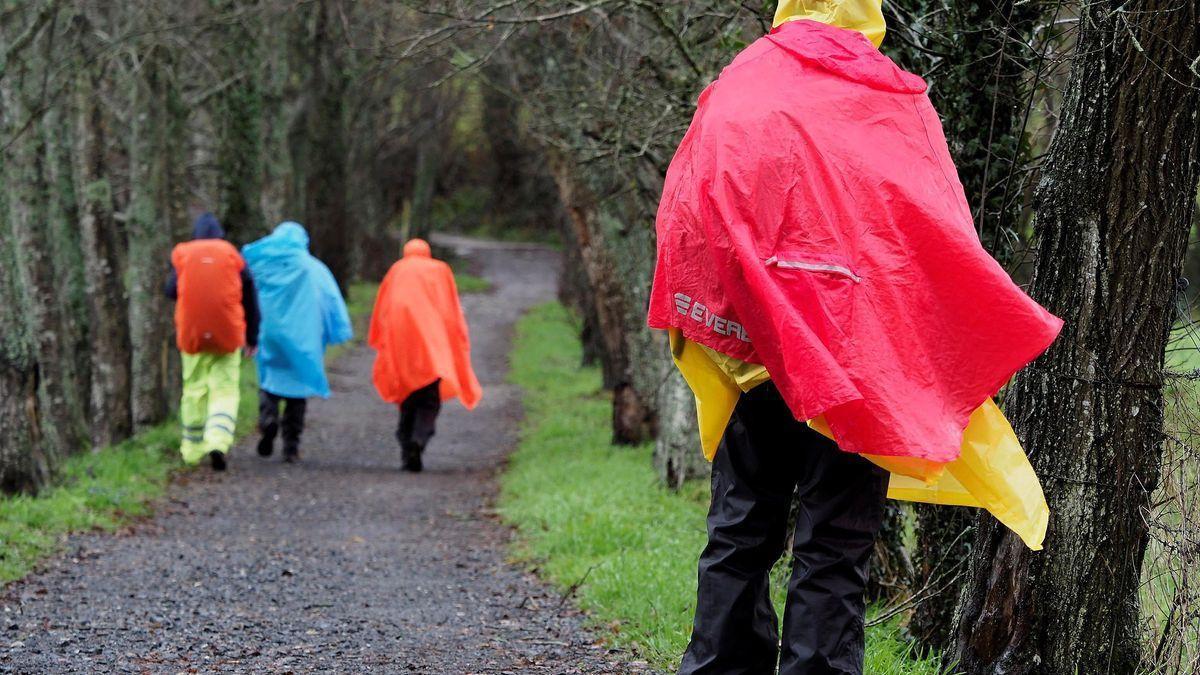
[(418, 417), (766, 457), (292, 424)]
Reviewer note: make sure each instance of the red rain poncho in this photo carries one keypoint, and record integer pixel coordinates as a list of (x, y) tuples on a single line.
[(812, 221), (419, 332)]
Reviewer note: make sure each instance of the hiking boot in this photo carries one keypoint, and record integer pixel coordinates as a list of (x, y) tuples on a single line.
[(410, 455), (218, 460), (266, 444), (291, 454)]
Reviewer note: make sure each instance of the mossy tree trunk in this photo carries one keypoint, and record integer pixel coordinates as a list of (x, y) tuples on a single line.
[(1114, 207), (618, 315), (239, 121), (67, 257), (677, 452), (39, 379), (103, 245), (155, 211), (323, 166), (25, 463)]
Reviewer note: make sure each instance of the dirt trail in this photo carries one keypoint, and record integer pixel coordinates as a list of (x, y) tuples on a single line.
[(341, 563)]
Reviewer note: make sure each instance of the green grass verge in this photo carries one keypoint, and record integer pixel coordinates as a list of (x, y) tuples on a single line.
[(100, 490), (469, 283), (594, 520), (107, 489)]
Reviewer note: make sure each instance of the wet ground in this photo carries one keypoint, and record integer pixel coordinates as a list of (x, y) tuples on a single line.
[(338, 564)]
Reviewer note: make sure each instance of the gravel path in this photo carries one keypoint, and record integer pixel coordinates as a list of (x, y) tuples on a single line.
[(341, 563)]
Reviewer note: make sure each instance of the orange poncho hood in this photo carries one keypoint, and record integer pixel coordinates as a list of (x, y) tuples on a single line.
[(419, 332)]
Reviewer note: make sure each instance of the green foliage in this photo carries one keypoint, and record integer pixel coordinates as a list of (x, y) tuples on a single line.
[(361, 299), (594, 520), (469, 283), (469, 210)]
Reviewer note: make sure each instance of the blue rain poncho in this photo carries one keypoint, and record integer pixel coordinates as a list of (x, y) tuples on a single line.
[(302, 313)]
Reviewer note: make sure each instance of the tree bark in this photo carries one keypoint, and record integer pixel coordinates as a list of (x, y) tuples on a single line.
[(25, 466), (67, 259), (39, 357), (940, 558), (677, 453), (239, 122), (325, 212), (154, 214), (1114, 206), (633, 418), (112, 416), (575, 292), (425, 174)]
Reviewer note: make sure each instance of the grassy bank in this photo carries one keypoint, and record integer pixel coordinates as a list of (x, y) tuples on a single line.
[(100, 490), (592, 518), (469, 283), (107, 489)]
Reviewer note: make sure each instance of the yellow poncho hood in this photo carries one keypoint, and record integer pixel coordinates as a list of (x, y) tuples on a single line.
[(864, 16)]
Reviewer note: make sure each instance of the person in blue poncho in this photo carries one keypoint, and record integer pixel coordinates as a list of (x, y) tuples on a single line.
[(302, 313)]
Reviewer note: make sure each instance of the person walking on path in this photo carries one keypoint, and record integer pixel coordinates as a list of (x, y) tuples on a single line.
[(831, 307), (216, 318), (423, 351), (303, 312)]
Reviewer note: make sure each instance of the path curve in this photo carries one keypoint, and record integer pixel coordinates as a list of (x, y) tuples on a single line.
[(341, 563)]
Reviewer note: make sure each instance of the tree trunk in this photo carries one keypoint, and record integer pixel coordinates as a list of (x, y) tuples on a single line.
[(891, 570), (633, 418), (944, 535), (574, 291), (1114, 206), (112, 417), (425, 175), (67, 258), (25, 466), (325, 212), (677, 453), (239, 122), (41, 360), (153, 221)]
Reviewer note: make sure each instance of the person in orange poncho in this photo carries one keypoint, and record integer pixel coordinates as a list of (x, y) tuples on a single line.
[(423, 351)]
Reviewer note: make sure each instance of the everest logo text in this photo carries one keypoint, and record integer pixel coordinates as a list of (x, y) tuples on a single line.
[(698, 312)]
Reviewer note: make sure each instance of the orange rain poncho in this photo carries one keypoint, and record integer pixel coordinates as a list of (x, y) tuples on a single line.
[(209, 317), (419, 332)]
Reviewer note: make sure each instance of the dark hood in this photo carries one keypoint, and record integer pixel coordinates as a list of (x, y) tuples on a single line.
[(207, 227)]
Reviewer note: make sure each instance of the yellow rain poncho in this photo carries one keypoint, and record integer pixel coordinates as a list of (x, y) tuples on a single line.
[(992, 472)]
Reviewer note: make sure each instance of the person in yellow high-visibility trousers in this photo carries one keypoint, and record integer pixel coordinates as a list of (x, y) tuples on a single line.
[(216, 319)]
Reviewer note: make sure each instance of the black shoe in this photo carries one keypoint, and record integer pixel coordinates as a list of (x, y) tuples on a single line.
[(266, 444), (291, 454), (218, 460), (410, 456)]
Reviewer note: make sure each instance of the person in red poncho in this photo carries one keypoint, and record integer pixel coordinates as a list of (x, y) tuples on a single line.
[(818, 261), (423, 350)]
